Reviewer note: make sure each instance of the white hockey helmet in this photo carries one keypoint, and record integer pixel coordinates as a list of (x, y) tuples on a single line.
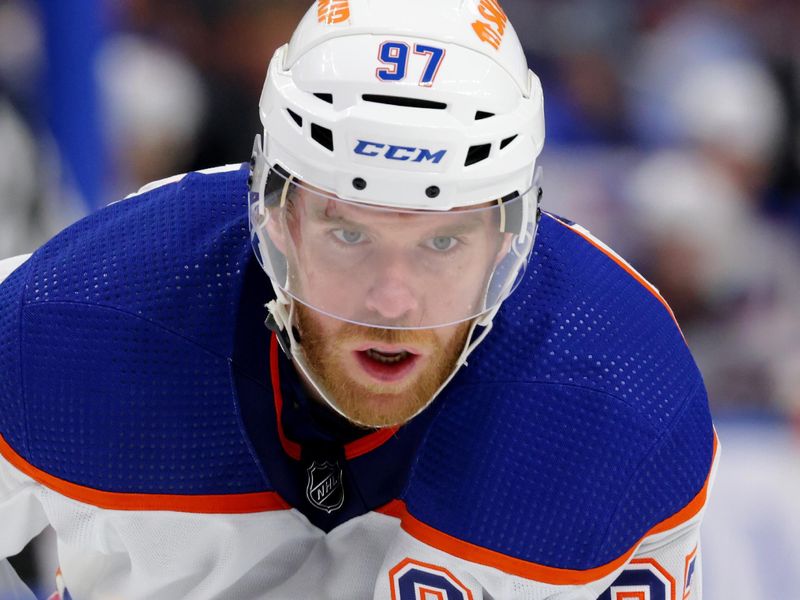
[(405, 96), (416, 106)]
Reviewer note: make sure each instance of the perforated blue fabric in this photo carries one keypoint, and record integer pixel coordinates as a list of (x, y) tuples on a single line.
[(545, 449), (12, 411), (172, 255), (127, 333), (174, 429), (678, 461)]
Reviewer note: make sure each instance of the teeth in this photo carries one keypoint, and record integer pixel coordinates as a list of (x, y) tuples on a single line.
[(387, 359)]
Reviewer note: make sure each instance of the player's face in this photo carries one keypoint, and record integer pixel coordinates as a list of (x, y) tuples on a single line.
[(378, 377), (370, 282)]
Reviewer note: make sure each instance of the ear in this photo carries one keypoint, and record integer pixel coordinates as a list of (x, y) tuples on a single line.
[(275, 229), (505, 247)]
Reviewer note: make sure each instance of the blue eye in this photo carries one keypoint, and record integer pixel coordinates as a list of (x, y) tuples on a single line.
[(348, 236), (442, 243)]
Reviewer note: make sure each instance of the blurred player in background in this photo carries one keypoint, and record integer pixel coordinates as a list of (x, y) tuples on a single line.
[(456, 395)]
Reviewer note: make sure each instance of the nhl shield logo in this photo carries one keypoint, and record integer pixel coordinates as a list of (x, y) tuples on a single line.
[(324, 488)]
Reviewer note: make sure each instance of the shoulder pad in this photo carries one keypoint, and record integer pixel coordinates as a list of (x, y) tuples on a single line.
[(580, 424), (119, 334)]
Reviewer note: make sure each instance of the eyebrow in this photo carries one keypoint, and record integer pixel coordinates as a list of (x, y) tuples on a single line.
[(323, 215), (467, 225)]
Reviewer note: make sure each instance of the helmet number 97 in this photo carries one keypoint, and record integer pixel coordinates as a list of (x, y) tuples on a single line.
[(396, 54)]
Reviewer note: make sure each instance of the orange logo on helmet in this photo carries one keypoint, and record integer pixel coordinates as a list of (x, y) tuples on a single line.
[(331, 12), (493, 29)]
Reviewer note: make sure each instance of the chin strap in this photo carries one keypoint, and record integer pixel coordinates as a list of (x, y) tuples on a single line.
[(279, 319)]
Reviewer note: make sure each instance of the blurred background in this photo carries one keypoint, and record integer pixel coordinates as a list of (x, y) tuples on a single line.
[(673, 134)]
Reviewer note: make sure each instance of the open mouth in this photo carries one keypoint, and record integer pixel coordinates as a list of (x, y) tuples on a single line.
[(387, 358), (386, 366)]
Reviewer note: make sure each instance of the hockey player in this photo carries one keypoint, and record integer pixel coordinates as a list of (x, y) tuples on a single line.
[(461, 397)]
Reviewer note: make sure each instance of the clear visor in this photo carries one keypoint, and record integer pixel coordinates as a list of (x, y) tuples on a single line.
[(390, 268)]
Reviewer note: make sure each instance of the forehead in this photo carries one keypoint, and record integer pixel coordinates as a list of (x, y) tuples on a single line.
[(321, 207)]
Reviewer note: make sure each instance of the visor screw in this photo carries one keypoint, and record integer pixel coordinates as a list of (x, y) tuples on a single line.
[(359, 183), (432, 192)]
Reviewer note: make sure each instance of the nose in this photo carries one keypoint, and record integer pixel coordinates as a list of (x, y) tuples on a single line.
[(391, 294)]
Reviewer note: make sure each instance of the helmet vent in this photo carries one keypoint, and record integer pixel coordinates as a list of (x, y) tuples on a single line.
[(322, 135), (402, 101), (295, 117), (507, 141), (482, 114), (325, 97), (477, 154)]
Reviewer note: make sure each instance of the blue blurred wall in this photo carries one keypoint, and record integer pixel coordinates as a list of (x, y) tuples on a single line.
[(74, 32)]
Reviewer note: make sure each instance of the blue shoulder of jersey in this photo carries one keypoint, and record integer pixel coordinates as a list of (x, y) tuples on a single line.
[(581, 423), (117, 344)]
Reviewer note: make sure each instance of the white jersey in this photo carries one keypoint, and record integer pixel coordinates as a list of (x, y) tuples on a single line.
[(112, 554)]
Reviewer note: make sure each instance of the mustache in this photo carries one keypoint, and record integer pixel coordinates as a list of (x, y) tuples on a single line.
[(350, 332)]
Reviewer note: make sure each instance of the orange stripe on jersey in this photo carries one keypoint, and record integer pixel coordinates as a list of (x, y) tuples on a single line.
[(654, 563), (529, 570), (368, 443), (622, 263), (203, 504), (694, 507), (431, 592), (687, 589), (354, 449)]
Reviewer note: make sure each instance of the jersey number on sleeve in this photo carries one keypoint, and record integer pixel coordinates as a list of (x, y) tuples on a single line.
[(413, 580), (642, 579)]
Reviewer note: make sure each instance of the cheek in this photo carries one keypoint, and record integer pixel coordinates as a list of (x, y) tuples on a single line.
[(467, 287), (327, 291), (446, 336), (321, 327)]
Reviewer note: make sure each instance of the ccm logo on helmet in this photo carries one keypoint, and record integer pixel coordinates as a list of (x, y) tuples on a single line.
[(404, 153)]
